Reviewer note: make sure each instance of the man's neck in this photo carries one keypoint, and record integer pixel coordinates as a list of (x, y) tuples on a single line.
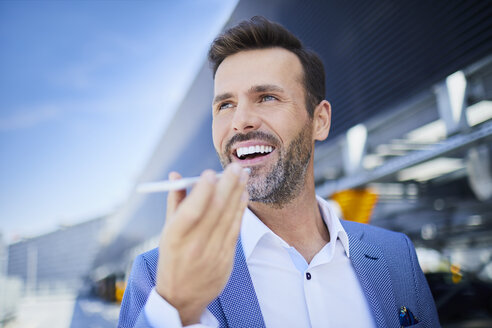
[(299, 223)]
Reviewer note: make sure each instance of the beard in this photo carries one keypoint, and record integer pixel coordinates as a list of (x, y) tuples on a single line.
[(285, 179)]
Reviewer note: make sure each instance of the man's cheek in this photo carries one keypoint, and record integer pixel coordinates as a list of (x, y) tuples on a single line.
[(216, 146), (217, 139)]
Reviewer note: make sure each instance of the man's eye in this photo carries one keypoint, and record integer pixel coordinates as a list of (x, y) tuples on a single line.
[(268, 98), (224, 106)]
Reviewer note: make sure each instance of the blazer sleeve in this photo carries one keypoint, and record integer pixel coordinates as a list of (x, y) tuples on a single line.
[(140, 283), (425, 300)]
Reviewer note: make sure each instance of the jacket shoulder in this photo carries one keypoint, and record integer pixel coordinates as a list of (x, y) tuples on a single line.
[(150, 258), (140, 283), (371, 233)]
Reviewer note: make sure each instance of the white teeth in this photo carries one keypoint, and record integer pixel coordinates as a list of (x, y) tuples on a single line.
[(253, 149)]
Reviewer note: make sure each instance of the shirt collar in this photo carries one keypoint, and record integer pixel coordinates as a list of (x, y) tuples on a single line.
[(253, 229), (334, 225)]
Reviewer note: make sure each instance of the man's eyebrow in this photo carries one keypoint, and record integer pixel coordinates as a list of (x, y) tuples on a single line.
[(221, 97), (265, 88)]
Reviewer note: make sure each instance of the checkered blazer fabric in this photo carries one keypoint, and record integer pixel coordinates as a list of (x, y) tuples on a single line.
[(384, 261), (388, 269)]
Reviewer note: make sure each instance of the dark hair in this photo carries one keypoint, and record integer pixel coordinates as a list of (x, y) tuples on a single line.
[(260, 33)]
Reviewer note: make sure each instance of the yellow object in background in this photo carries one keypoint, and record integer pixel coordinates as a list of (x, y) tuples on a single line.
[(119, 290), (456, 275), (356, 204)]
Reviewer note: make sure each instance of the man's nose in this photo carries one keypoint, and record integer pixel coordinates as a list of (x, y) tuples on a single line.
[(245, 119)]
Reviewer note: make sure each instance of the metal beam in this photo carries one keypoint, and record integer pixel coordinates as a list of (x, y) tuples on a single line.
[(392, 166)]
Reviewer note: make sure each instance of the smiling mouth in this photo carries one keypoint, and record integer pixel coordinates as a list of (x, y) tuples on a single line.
[(244, 153)]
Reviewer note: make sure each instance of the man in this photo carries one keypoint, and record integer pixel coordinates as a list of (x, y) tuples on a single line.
[(262, 249)]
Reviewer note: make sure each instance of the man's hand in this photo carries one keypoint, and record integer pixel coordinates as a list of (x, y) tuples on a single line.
[(198, 241)]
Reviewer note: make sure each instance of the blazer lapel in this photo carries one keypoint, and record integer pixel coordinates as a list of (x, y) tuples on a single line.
[(238, 299), (372, 271)]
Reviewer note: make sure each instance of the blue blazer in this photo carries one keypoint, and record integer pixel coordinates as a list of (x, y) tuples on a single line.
[(385, 263)]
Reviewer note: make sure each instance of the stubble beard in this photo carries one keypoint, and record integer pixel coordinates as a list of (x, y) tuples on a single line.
[(286, 179)]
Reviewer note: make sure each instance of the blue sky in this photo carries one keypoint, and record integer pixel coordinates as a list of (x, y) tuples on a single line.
[(86, 91)]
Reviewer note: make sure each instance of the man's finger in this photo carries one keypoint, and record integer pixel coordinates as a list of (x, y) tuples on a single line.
[(222, 199), (195, 206), (230, 237), (174, 198), (234, 202)]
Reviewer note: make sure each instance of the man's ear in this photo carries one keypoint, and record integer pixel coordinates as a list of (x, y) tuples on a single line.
[(322, 120)]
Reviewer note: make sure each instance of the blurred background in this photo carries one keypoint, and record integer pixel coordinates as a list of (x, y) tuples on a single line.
[(97, 97)]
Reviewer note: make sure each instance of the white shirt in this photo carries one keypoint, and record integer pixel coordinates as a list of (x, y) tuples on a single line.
[(331, 297)]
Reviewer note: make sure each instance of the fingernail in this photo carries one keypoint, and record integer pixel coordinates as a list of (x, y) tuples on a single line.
[(236, 169), (173, 175)]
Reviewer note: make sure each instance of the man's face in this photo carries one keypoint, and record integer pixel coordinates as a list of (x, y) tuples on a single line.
[(260, 121)]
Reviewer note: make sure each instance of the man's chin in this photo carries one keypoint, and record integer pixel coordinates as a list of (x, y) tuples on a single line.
[(259, 175)]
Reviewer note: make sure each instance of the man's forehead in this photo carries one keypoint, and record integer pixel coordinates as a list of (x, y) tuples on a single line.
[(273, 66)]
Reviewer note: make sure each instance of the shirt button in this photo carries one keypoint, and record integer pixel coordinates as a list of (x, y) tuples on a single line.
[(308, 276)]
